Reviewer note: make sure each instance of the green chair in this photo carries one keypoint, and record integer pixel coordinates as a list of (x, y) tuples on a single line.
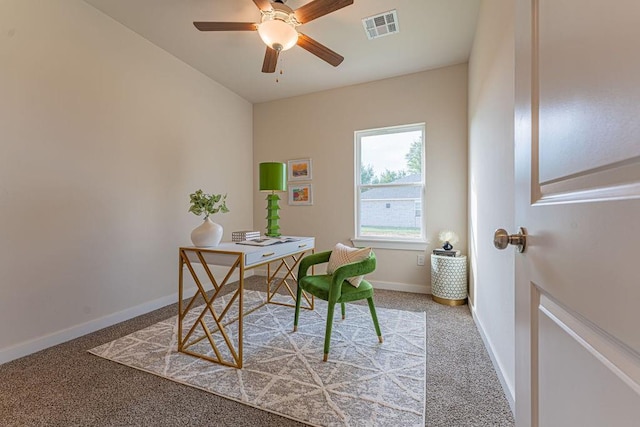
[(334, 288)]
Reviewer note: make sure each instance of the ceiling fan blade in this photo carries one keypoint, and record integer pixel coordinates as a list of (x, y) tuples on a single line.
[(263, 4), (226, 26), (319, 50), (318, 8), (270, 60)]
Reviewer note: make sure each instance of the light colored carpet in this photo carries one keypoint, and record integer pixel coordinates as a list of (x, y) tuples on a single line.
[(364, 383)]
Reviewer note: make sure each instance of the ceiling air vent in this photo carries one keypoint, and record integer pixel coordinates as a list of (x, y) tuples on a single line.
[(381, 25)]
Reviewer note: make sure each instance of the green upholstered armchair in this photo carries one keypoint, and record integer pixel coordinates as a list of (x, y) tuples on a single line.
[(334, 288)]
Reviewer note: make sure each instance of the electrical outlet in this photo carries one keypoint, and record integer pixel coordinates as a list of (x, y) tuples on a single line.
[(420, 259)]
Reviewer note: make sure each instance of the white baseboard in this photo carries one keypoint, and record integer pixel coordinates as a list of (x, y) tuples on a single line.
[(34, 345), (508, 392), (390, 286), (402, 287), (40, 343)]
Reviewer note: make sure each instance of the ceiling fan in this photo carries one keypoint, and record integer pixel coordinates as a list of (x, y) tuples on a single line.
[(277, 29)]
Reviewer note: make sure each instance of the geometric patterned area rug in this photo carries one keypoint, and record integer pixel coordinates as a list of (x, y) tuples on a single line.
[(364, 383)]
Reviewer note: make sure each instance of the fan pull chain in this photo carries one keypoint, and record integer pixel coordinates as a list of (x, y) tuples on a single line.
[(281, 72)]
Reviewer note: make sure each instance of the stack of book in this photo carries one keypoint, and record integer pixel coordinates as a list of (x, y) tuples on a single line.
[(241, 236), (445, 252)]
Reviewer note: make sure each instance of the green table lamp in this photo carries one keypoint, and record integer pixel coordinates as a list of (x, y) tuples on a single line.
[(273, 177)]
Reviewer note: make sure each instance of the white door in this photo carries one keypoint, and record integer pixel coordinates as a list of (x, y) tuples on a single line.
[(578, 196)]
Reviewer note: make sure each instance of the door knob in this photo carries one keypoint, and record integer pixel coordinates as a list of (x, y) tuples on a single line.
[(502, 239)]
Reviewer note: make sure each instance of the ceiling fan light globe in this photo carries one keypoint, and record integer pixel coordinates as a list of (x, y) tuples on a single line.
[(278, 34)]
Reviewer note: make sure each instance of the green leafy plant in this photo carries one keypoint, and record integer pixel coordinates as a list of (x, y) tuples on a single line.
[(207, 204)]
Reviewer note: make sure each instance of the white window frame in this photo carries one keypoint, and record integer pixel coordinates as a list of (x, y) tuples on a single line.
[(404, 243)]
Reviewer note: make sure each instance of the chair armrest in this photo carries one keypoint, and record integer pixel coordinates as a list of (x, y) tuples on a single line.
[(353, 269), (313, 259)]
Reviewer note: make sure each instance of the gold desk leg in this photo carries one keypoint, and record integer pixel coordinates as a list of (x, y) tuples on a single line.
[(283, 281), (240, 314), (199, 330), (180, 285)]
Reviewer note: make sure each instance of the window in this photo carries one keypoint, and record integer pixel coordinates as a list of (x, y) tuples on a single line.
[(390, 187)]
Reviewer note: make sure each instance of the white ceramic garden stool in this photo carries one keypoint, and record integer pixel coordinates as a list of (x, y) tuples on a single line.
[(449, 279)]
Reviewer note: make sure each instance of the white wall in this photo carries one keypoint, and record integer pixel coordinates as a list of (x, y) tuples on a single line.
[(491, 183), (321, 126), (102, 137)]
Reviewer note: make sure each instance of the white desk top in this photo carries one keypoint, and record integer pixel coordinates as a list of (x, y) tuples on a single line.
[(226, 253)]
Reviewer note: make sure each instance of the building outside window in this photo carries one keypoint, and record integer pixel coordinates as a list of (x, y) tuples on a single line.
[(390, 185)]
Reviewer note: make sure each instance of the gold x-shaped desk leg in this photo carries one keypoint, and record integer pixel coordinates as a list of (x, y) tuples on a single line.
[(219, 338), (290, 274)]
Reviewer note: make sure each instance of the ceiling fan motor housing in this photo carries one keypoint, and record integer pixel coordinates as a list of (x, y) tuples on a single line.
[(277, 27)]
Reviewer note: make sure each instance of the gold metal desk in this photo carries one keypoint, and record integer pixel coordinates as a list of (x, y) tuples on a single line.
[(209, 334)]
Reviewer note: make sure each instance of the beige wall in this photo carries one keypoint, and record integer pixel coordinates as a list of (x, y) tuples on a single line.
[(103, 136), (321, 126), (491, 183)]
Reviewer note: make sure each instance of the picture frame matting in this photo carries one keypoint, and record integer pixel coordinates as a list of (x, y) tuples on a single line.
[(300, 194), (299, 170)]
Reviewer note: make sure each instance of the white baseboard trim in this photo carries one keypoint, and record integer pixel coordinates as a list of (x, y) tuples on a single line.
[(34, 345), (390, 286), (37, 344), (508, 392), (41, 343), (402, 287)]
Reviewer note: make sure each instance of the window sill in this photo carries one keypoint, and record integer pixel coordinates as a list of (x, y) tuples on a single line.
[(406, 245)]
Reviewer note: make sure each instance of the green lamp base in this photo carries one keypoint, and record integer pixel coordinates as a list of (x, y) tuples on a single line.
[(273, 229)]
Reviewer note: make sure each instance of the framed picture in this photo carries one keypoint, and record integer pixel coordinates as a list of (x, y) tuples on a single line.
[(300, 194), (299, 170)]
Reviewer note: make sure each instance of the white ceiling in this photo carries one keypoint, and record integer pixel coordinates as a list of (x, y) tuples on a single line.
[(433, 34)]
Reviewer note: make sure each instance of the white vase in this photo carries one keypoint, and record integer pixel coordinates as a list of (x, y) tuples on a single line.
[(207, 234)]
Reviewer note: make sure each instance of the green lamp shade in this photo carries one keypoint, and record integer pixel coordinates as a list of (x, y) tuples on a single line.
[(273, 176)]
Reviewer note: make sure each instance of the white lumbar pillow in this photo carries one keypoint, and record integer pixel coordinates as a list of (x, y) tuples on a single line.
[(342, 255)]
